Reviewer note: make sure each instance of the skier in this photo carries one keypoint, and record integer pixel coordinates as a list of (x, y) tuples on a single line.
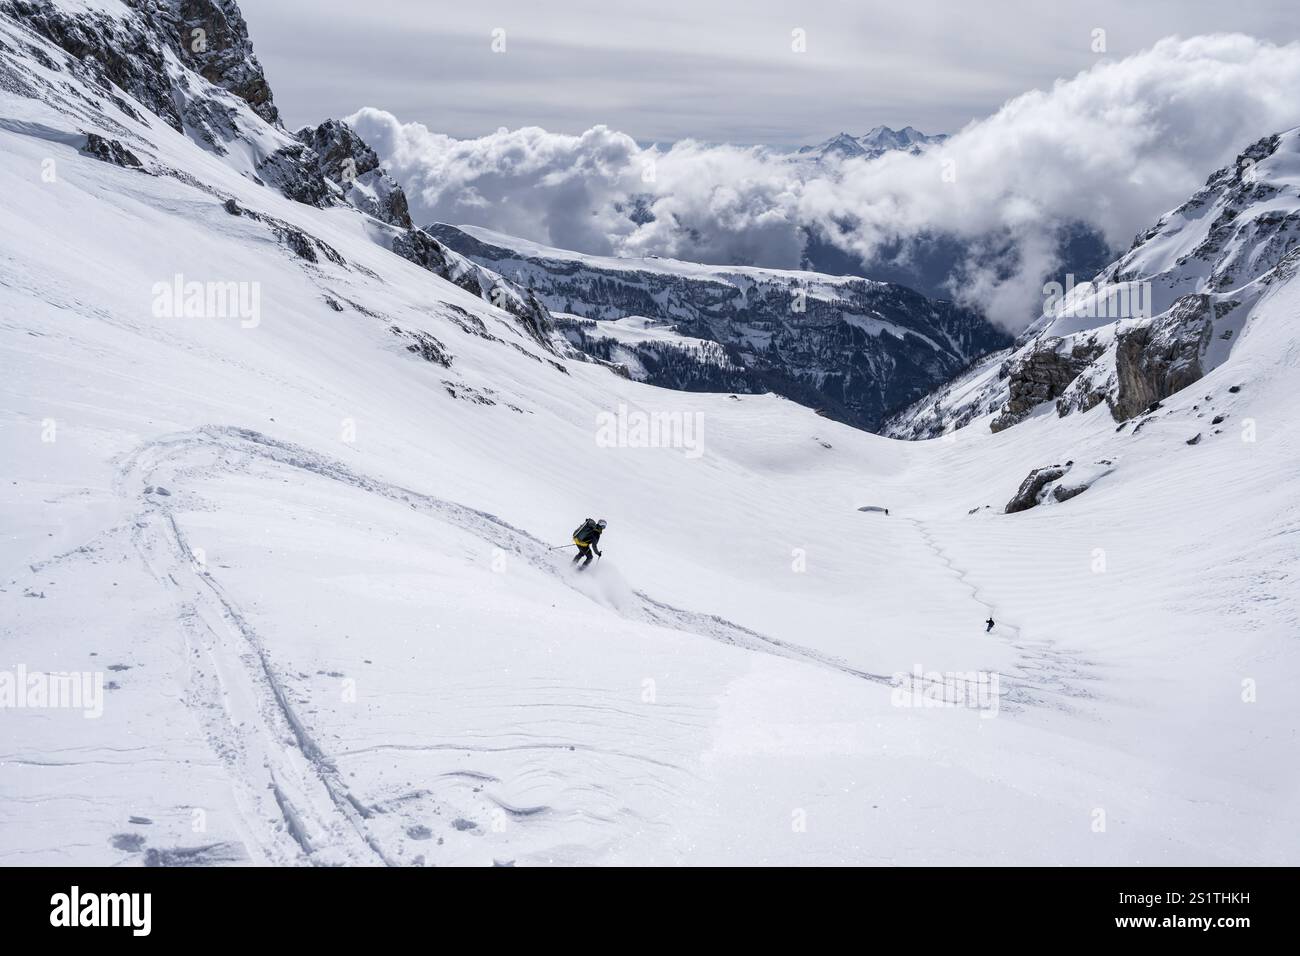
[(587, 537), (989, 622)]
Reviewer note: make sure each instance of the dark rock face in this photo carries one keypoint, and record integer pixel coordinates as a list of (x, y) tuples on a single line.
[(1154, 360), (129, 53), (110, 151), (220, 51), (333, 161), (535, 318), (344, 158), (336, 144), (290, 170), (1030, 489), (1041, 375), (106, 51)]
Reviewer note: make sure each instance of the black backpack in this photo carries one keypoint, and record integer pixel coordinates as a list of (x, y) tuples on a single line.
[(582, 532)]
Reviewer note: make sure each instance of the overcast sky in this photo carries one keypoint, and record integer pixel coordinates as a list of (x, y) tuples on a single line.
[(715, 70)]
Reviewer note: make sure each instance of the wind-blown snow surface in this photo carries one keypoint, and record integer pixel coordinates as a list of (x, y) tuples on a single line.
[(321, 586)]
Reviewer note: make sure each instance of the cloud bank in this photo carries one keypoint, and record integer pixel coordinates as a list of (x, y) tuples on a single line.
[(1113, 147)]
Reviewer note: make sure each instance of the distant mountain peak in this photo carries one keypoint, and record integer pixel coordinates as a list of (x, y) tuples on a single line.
[(875, 142)]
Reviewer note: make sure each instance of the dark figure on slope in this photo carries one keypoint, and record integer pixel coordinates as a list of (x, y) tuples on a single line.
[(989, 622), (587, 537)]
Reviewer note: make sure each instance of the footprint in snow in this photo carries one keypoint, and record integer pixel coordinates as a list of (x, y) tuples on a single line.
[(130, 842)]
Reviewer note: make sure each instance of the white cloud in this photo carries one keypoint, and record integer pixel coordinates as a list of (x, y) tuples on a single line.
[(1115, 147)]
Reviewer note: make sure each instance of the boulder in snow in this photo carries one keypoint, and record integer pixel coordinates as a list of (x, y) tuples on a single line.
[(1032, 488)]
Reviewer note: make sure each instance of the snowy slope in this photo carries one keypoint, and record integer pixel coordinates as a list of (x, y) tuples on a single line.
[(313, 563)]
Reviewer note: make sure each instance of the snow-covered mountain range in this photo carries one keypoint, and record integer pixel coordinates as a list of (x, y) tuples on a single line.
[(875, 142), (852, 348), (289, 487)]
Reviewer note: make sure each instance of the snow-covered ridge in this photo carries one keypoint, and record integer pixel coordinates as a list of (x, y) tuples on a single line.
[(661, 265), (852, 348), (190, 63), (1155, 320)]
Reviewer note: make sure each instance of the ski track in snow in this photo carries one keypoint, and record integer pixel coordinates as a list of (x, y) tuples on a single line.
[(250, 721), (1044, 668), (1053, 667), (216, 629)]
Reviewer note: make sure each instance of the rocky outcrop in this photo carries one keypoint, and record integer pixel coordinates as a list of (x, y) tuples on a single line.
[(1157, 358), (110, 151), (1042, 374), (1032, 488), (341, 154), (129, 52), (428, 253), (292, 170), (331, 162), (344, 158), (105, 51), (304, 246), (211, 38), (189, 63), (186, 62), (1066, 492), (424, 345)]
